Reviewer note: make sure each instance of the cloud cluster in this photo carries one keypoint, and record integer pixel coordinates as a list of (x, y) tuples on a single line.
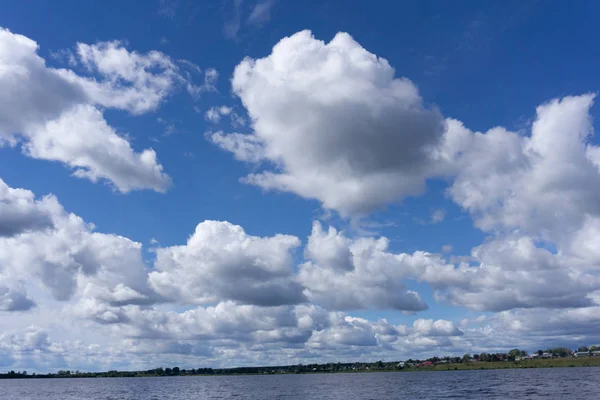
[(56, 114), (335, 124), (358, 274), (332, 122), (220, 261)]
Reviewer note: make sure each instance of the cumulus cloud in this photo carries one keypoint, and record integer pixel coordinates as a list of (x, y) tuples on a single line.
[(221, 261), (543, 184), (515, 273), (20, 212), (81, 139), (55, 114), (358, 274), (536, 195), (336, 124), (429, 327), (30, 92), (65, 255), (14, 299)]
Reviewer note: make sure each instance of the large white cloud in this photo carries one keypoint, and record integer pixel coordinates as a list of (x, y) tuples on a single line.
[(515, 273), (29, 91), (359, 274), (81, 139), (62, 253), (55, 114), (544, 184), (221, 261), (335, 124), (537, 195)]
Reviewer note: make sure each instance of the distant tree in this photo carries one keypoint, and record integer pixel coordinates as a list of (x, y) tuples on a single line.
[(540, 352), (483, 357), (175, 371), (466, 357), (594, 348), (514, 353), (476, 357), (168, 371), (560, 352), (583, 349)]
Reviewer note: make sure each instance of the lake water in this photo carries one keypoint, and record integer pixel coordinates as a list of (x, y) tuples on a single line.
[(555, 383)]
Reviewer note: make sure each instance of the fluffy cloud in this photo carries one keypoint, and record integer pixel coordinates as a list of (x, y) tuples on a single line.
[(543, 184), (14, 299), (30, 92), (336, 124), (440, 327), (515, 273), (537, 195), (214, 114), (20, 212), (135, 82), (221, 261), (54, 113), (359, 274), (63, 253), (81, 139)]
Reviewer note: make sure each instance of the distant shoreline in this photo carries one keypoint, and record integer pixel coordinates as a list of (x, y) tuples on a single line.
[(293, 370)]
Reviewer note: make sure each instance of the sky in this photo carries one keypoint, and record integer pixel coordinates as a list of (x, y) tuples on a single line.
[(242, 182)]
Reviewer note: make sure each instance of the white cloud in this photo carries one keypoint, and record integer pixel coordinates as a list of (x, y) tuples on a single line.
[(537, 196), (81, 139), (429, 327), (261, 13), (131, 81), (544, 184), (20, 212), (220, 261), (358, 274), (214, 113), (29, 92), (14, 299), (438, 216), (61, 252), (54, 113), (232, 24), (244, 147), (337, 124)]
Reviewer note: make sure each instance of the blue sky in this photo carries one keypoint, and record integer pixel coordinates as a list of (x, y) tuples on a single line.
[(372, 133)]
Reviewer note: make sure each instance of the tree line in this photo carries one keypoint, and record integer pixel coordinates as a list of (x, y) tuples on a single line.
[(512, 355)]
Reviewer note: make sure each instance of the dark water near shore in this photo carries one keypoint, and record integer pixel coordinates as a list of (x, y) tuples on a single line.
[(555, 383)]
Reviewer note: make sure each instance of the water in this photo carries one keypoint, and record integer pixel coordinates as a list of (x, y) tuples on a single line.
[(555, 383)]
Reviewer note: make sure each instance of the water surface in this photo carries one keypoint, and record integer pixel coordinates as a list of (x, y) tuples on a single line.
[(554, 383)]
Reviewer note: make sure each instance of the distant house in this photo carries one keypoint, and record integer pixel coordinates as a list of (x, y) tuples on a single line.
[(596, 353), (400, 364), (582, 354), (426, 364), (546, 355)]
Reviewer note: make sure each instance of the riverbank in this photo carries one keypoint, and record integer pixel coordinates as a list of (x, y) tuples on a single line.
[(332, 369), (541, 363)]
